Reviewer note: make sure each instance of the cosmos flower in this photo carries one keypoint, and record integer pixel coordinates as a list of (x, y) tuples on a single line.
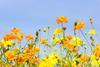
[(79, 25), (52, 59), (75, 51), (29, 37), (19, 50), (15, 30), (77, 41), (8, 37), (83, 58), (10, 54), (19, 37), (69, 46), (44, 41), (55, 40), (62, 19), (58, 31), (69, 37), (20, 59), (6, 43), (97, 51), (33, 60), (94, 63), (93, 57), (92, 31)]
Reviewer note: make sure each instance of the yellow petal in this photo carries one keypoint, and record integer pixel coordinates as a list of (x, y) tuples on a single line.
[(58, 31), (92, 31)]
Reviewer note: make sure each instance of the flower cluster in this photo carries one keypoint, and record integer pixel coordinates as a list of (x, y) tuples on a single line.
[(60, 49)]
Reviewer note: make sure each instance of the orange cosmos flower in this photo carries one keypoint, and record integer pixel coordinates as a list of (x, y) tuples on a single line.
[(10, 55), (69, 37), (29, 37), (21, 59), (19, 37), (79, 65), (6, 37), (75, 50), (83, 58), (62, 19), (68, 45), (36, 59), (31, 60), (1, 44), (79, 25), (30, 52), (15, 30), (44, 41), (97, 51), (0, 65)]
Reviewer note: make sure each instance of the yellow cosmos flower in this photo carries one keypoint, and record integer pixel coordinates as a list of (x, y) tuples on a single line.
[(55, 57), (7, 65), (58, 31), (6, 43), (70, 64), (55, 40), (37, 48), (94, 63), (92, 31), (93, 57), (73, 64), (51, 61), (15, 50), (99, 61), (46, 63), (77, 41)]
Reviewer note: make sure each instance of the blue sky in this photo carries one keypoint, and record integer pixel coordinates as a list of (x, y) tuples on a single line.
[(29, 15)]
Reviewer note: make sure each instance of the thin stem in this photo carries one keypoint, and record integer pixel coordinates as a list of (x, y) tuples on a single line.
[(97, 36), (86, 39)]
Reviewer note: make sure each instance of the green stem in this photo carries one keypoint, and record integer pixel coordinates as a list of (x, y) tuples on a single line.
[(86, 39)]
